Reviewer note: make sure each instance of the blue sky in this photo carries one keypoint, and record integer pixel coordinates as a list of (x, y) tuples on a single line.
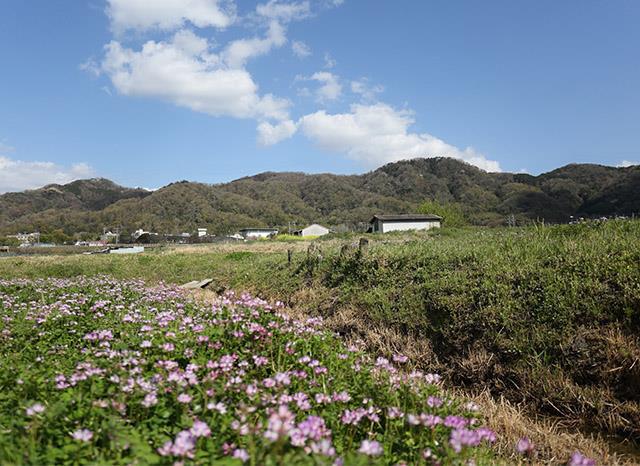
[(146, 92)]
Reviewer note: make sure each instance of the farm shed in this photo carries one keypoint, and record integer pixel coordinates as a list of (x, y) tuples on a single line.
[(253, 233), (404, 222), (312, 230)]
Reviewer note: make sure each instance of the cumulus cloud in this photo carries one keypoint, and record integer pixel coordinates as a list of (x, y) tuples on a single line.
[(18, 175), (284, 11), (182, 68), (330, 88), (365, 89), (269, 134), (168, 14), (377, 134), (300, 49), (275, 14), (238, 52), (183, 71), (329, 61), (627, 163)]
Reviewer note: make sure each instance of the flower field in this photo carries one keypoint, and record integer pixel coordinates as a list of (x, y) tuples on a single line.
[(96, 370)]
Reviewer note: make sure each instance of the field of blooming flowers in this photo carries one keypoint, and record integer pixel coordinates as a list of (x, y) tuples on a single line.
[(96, 370)]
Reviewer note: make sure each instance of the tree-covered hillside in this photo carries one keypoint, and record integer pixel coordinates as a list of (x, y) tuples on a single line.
[(280, 199)]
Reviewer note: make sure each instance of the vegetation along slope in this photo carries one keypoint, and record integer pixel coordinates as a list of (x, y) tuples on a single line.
[(547, 316), (343, 202)]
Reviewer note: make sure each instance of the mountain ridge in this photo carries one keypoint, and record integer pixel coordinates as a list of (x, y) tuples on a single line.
[(279, 198)]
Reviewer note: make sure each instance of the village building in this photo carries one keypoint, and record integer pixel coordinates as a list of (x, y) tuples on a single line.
[(110, 237), (312, 230), (26, 238), (255, 233), (404, 222)]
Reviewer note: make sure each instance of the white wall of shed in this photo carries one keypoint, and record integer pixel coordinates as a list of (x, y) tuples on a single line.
[(315, 230), (388, 226), (258, 234)]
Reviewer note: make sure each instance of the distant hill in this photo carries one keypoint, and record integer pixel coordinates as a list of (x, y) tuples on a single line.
[(276, 199)]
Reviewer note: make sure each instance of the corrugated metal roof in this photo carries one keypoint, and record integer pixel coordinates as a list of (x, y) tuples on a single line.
[(405, 217)]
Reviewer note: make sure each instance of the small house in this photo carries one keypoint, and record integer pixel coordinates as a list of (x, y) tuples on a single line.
[(312, 230), (404, 222), (255, 233)]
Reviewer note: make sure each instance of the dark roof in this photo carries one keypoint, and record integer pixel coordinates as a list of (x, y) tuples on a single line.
[(258, 229), (405, 217)]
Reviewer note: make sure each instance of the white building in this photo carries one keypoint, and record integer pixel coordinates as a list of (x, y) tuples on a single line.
[(312, 230), (202, 232), (110, 237), (255, 233), (387, 223), (26, 238)]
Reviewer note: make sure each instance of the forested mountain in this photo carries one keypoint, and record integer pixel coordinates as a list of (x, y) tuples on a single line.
[(276, 199)]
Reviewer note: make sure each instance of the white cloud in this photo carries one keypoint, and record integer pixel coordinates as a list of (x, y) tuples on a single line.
[(329, 62), (168, 14), (300, 49), (627, 163), (330, 88), (184, 72), (276, 14), (269, 134), (5, 148), (377, 134), (284, 11), (18, 175), (365, 90), (238, 52)]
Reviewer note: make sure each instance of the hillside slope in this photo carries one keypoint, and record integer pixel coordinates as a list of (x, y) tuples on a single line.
[(338, 200)]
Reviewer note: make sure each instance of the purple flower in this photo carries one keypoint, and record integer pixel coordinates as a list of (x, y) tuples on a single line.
[(184, 444), (150, 400), (165, 450), (434, 402), (35, 408), (323, 447), (578, 459), (280, 424), (400, 358), (370, 448), (200, 429), (525, 446), (184, 398), (82, 435), (241, 454)]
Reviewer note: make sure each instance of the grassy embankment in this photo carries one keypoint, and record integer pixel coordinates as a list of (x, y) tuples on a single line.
[(548, 316)]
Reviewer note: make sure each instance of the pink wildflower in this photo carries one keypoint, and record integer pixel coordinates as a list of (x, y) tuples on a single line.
[(82, 435), (525, 446), (370, 448), (578, 459), (200, 429), (241, 454), (35, 408), (184, 398), (149, 400)]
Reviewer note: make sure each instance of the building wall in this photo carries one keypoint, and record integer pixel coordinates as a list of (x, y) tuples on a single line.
[(315, 230), (388, 226), (258, 234)]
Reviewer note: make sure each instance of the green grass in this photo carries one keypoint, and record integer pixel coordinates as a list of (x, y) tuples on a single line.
[(546, 315), (100, 371)]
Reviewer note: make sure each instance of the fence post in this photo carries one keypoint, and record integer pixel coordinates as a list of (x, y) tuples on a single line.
[(363, 245)]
